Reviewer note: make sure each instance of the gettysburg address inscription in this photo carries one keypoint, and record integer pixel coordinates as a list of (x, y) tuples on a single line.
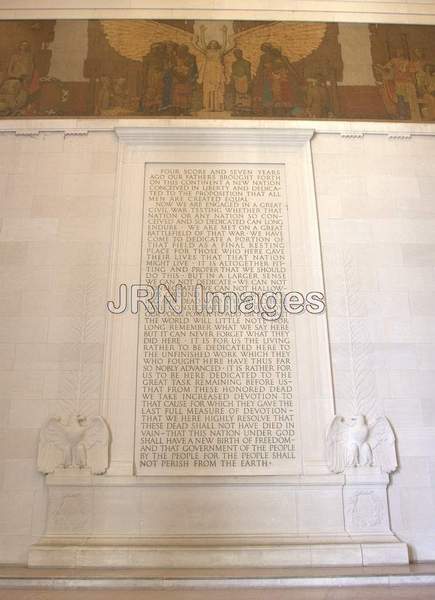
[(215, 379)]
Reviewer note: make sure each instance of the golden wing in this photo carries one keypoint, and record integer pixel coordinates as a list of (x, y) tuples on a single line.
[(296, 40), (132, 38)]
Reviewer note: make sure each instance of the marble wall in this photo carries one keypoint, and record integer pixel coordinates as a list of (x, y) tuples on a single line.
[(54, 255), (377, 215), (377, 212)]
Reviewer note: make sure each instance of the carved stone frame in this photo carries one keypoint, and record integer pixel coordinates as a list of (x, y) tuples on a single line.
[(223, 145)]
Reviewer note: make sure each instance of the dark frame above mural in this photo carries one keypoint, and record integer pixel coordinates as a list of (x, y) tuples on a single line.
[(217, 69)]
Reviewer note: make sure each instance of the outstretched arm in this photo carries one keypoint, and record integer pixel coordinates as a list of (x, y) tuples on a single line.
[(197, 44), (202, 38), (227, 46), (199, 41), (225, 42)]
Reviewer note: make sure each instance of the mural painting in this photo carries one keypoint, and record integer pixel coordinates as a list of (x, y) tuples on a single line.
[(217, 69)]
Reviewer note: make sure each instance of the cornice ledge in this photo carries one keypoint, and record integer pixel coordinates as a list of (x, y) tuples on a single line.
[(229, 136)]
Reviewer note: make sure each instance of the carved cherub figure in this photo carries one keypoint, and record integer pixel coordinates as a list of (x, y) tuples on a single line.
[(78, 442), (353, 443)]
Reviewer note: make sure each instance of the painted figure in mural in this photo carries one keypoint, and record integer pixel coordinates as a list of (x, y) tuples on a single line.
[(240, 81), (263, 93), (13, 97), (184, 73), (283, 84), (316, 98), (155, 68), (212, 72), (112, 97), (103, 97), (418, 65), (120, 96), (399, 88), (276, 83), (21, 64), (428, 93), (22, 80), (169, 50)]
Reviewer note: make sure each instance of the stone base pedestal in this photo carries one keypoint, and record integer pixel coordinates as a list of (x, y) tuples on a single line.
[(86, 553), (302, 520)]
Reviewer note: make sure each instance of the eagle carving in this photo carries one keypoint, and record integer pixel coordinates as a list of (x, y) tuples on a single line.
[(353, 443), (76, 443)]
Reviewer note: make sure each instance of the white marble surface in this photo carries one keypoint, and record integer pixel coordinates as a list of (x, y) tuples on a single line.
[(54, 249), (377, 261), (377, 247), (221, 521)]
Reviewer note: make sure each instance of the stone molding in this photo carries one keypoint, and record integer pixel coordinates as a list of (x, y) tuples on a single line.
[(415, 575), (136, 131), (398, 11), (227, 136), (60, 478)]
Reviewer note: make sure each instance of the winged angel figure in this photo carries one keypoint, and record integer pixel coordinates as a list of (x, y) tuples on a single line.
[(175, 61), (79, 442), (353, 443)]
